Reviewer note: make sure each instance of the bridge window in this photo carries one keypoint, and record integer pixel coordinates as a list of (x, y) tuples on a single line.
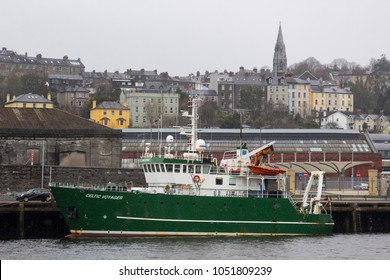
[(177, 168)]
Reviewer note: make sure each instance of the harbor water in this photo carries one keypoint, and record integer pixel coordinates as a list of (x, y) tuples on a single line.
[(333, 247)]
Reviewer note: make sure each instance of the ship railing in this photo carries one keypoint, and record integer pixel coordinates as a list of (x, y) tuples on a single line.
[(229, 193), (77, 185), (87, 186), (229, 155)]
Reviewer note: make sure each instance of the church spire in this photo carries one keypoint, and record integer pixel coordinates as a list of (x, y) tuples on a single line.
[(280, 57)]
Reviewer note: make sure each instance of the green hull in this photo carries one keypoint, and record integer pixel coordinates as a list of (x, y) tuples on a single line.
[(103, 213)]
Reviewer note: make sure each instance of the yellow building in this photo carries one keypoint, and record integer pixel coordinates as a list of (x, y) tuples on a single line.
[(29, 100), (332, 99), (111, 114)]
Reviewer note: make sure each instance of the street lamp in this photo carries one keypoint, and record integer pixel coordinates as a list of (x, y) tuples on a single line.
[(353, 173), (261, 128), (141, 143)]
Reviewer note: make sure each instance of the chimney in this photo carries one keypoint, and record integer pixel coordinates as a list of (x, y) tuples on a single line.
[(8, 97), (39, 56), (65, 58), (381, 112), (49, 96), (93, 104)]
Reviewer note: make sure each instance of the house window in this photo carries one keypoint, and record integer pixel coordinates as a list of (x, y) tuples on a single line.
[(120, 112), (104, 112), (112, 112)]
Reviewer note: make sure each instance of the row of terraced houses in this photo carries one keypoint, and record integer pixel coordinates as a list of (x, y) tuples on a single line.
[(145, 95)]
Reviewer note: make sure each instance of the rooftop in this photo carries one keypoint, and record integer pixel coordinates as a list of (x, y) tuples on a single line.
[(19, 122)]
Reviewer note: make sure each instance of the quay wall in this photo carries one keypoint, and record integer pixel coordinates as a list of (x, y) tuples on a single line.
[(18, 178)]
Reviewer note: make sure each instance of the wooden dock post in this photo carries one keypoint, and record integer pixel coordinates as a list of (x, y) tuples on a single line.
[(21, 220), (291, 177), (373, 182)]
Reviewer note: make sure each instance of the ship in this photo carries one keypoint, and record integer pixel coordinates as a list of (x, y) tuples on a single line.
[(191, 193)]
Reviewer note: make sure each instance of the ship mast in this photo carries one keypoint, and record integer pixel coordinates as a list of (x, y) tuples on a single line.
[(193, 136)]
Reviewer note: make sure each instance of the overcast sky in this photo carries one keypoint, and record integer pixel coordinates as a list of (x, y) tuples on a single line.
[(183, 36)]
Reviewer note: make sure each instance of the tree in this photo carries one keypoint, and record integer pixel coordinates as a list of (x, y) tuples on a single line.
[(35, 84), (231, 121), (363, 98), (152, 114), (104, 88), (11, 84), (252, 99), (380, 79), (208, 114)]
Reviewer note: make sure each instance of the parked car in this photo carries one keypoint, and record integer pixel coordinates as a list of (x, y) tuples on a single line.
[(35, 194), (361, 186)]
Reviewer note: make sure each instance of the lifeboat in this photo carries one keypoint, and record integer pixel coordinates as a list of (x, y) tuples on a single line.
[(266, 170)]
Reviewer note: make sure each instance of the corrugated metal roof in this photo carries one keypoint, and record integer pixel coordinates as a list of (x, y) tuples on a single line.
[(29, 118)]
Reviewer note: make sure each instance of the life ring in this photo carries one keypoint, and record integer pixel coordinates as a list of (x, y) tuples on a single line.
[(196, 178)]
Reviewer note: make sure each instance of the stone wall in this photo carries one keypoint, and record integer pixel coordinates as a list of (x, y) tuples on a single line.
[(17, 178), (95, 151)]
